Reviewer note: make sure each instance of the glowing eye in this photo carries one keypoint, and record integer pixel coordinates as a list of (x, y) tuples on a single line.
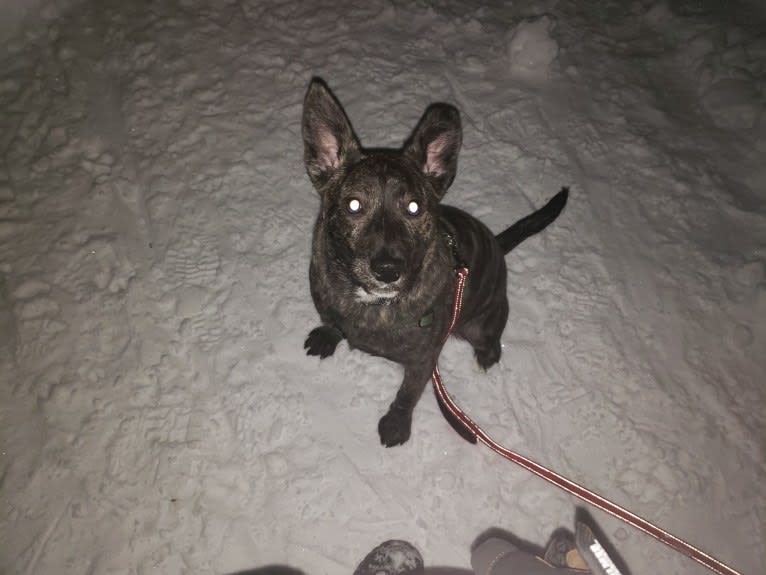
[(354, 206), (413, 208)]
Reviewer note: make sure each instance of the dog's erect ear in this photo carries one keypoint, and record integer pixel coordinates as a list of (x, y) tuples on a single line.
[(328, 139), (435, 143)]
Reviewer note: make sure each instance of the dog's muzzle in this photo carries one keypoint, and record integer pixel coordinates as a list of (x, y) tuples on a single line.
[(386, 269), (379, 280)]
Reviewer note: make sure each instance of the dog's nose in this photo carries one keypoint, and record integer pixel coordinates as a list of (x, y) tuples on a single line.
[(386, 268)]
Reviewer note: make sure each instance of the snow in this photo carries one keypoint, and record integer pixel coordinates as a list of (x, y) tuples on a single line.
[(14, 13), (157, 411), (531, 50)]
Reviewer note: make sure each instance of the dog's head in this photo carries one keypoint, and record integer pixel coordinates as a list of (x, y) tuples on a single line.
[(378, 211)]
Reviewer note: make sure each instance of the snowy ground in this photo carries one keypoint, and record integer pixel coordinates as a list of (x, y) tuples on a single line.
[(157, 412)]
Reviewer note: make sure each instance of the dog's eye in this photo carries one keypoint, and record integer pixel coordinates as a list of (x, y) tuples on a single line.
[(413, 208), (354, 206)]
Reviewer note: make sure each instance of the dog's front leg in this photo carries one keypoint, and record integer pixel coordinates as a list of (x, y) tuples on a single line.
[(395, 426), (323, 340)]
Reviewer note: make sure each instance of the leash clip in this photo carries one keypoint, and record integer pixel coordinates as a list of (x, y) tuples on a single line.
[(460, 264)]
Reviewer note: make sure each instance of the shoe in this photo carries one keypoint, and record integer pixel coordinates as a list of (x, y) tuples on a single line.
[(562, 552), (593, 552), (392, 558)]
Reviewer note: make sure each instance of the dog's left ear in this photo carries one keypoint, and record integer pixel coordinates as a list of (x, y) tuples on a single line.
[(435, 143)]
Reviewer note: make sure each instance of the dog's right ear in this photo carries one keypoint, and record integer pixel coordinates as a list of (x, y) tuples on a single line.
[(329, 142)]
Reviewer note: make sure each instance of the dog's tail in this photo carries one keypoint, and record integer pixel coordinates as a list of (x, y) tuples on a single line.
[(533, 223)]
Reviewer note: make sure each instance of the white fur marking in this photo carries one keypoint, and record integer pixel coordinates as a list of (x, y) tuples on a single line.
[(364, 296)]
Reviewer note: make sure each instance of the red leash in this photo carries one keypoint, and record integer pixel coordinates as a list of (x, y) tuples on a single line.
[(477, 433)]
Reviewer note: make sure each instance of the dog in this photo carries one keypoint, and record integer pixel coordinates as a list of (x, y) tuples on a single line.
[(384, 249)]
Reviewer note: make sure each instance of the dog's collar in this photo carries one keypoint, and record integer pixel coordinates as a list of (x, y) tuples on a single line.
[(425, 321), (449, 238), (452, 244)]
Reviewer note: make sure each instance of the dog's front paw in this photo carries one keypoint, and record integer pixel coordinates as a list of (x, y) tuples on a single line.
[(322, 341), (394, 427)]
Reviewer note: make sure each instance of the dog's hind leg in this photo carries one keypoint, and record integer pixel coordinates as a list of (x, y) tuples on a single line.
[(488, 354), (395, 426), (484, 333)]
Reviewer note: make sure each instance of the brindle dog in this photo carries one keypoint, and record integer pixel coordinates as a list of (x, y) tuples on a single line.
[(384, 249)]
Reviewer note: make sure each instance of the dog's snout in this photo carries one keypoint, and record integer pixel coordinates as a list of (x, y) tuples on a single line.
[(386, 269)]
